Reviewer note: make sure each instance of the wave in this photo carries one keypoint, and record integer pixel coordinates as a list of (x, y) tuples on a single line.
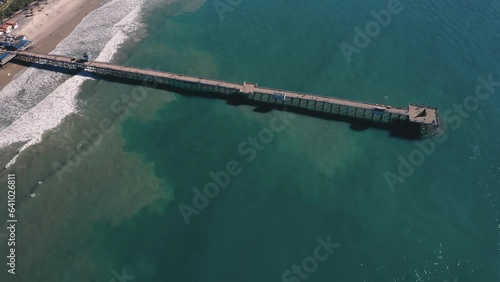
[(36, 101)]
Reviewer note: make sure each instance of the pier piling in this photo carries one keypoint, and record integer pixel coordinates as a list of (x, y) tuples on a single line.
[(424, 118)]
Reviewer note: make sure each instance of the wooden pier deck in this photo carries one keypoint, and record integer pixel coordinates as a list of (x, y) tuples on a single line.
[(426, 118)]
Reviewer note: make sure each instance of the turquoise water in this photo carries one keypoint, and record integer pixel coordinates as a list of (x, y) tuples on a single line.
[(314, 179)]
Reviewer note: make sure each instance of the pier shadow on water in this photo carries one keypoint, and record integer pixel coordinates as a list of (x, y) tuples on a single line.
[(396, 128)]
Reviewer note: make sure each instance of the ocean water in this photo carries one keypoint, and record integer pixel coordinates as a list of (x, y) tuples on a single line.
[(123, 204)]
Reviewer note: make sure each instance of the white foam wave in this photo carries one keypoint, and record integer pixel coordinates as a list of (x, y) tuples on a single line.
[(124, 28), (34, 103), (11, 162)]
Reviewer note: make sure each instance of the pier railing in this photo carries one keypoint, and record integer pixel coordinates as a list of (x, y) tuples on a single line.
[(426, 119)]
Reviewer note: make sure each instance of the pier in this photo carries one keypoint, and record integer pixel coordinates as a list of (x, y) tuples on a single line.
[(423, 118)]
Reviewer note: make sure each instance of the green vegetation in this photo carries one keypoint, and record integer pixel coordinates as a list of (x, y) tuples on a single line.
[(15, 6)]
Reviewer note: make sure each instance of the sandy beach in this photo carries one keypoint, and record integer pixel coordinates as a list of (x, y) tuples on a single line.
[(50, 24)]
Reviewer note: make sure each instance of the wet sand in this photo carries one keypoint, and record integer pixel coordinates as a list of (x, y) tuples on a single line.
[(48, 27)]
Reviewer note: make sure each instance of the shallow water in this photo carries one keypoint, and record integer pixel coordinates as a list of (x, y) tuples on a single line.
[(118, 207)]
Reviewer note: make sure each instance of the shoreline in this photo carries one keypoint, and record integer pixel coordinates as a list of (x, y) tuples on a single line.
[(37, 126), (47, 28)]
